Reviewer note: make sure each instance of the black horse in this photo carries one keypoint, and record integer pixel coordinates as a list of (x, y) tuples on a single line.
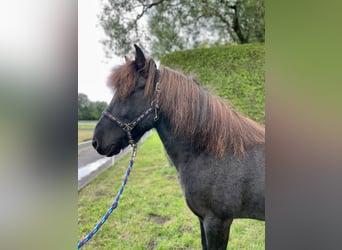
[(218, 153)]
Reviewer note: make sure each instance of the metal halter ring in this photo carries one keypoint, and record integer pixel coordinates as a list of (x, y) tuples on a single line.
[(129, 126)]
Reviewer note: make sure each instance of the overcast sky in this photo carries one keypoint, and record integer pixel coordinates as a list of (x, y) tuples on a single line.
[(93, 67)]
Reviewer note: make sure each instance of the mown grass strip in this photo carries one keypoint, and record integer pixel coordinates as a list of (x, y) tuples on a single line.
[(85, 130), (84, 135), (87, 126)]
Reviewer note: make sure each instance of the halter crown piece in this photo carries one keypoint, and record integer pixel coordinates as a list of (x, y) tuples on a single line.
[(127, 127)]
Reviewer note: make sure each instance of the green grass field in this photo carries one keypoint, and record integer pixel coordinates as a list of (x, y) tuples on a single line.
[(152, 213), (85, 130), (87, 125)]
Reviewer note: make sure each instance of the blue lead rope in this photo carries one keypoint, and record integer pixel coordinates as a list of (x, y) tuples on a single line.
[(113, 206)]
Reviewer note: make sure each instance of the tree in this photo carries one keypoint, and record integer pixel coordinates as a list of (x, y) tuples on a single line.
[(83, 104), (99, 107), (180, 24), (88, 110)]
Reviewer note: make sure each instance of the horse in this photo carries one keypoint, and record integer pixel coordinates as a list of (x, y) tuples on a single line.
[(218, 153)]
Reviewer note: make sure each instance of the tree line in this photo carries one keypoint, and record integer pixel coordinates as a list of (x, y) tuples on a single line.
[(88, 110)]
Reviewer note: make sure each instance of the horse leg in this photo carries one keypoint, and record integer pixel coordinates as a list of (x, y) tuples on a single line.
[(203, 239), (217, 233)]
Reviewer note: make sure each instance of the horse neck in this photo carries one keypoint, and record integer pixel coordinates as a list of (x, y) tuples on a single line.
[(178, 148)]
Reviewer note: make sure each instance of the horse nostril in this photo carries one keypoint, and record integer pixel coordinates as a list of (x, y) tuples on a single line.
[(95, 144)]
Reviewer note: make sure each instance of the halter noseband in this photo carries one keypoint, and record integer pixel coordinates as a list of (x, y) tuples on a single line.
[(127, 127)]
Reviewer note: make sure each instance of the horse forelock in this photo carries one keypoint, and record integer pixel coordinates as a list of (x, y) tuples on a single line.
[(208, 120), (124, 78)]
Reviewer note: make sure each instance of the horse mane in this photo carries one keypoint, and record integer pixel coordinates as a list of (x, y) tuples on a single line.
[(196, 113), (193, 112)]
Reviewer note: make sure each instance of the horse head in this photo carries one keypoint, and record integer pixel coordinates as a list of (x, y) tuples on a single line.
[(133, 108)]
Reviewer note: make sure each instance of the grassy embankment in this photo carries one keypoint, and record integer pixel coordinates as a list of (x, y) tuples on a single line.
[(152, 213), (235, 73)]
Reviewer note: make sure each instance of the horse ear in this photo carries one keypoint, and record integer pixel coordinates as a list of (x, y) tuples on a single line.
[(127, 60), (139, 57)]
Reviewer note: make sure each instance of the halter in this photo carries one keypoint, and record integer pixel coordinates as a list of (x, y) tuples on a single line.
[(127, 127)]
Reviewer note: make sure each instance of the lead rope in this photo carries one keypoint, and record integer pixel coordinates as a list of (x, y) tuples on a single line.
[(115, 203), (127, 127)]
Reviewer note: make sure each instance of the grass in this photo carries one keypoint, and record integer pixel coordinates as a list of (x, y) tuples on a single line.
[(152, 213), (87, 126), (84, 135), (85, 130)]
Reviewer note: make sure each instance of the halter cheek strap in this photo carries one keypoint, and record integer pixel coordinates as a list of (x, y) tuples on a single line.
[(129, 126)]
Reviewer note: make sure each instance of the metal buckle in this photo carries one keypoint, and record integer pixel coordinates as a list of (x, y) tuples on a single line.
[(127, 127)]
